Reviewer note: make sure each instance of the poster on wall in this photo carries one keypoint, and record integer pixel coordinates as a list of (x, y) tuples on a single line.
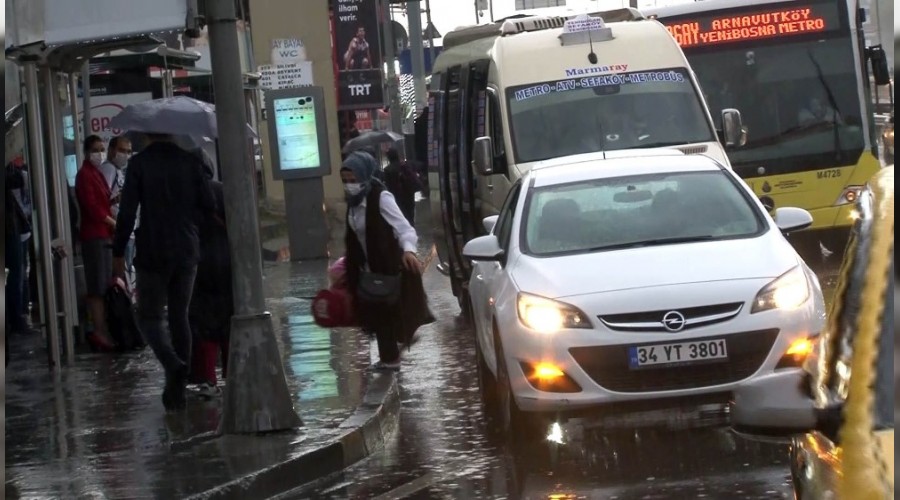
[(358, 52), (104, 108)]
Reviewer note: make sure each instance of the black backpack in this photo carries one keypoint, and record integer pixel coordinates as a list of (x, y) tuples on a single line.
[(121, 320)]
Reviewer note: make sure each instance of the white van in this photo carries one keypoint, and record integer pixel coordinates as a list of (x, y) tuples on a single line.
[(508, 96)]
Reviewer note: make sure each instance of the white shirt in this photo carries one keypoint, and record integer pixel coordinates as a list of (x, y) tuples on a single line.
[(115, 179), (403, 231)]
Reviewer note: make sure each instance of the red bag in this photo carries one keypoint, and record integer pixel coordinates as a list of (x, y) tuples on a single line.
[(333, 308)]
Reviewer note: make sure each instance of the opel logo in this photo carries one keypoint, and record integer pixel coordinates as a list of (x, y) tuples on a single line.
[(673, 321)]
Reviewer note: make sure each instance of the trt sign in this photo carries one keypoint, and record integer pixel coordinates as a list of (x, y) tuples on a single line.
[(360, 89)]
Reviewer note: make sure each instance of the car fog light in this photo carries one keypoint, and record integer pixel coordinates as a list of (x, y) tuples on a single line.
[(796, 353), (547, 377), (546, 371)]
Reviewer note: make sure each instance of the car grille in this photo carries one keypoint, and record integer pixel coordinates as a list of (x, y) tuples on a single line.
[(608, 365), (652, 321)]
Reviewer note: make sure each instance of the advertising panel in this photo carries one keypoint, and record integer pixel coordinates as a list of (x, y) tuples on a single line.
[(104, 108), (359, 54), (298, 133)]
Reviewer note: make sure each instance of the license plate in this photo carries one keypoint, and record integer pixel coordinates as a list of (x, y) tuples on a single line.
[(682, 352)]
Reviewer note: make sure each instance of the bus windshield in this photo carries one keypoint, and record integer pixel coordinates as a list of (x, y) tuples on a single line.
[(799, 102), (606, 112)]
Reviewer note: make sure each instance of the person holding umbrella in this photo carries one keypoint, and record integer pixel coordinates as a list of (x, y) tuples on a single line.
[(173, 193)]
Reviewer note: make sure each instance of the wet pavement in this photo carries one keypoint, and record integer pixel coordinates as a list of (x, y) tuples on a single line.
[(444, 448), (98, 430)]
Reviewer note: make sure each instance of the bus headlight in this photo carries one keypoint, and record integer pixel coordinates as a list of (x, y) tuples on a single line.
[(549, 316), (789, 291), (849, 195)]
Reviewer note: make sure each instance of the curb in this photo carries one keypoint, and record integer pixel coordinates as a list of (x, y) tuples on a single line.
[(366, 431)]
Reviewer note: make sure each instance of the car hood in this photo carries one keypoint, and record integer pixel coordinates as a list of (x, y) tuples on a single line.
[(766, 256)]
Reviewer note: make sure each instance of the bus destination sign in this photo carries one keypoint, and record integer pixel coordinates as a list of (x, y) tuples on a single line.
[(732, 28)]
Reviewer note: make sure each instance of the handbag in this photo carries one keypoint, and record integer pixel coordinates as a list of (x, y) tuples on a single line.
[(379, 289), (333, 308)]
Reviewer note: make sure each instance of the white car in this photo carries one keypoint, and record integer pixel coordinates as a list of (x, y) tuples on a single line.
[(620, 284)]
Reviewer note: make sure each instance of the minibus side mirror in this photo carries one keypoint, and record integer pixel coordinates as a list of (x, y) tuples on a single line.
[(483, 156), (732, 128)]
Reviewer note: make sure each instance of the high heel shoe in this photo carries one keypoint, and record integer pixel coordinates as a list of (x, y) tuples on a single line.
[(99, 344)]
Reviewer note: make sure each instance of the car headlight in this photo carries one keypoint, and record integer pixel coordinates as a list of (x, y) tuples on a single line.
[(549, 316), (789, 291)]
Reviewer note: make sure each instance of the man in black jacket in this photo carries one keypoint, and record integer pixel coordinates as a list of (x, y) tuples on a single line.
[(169, 185)]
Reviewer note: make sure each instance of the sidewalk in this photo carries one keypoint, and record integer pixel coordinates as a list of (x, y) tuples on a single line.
[(99, 430)]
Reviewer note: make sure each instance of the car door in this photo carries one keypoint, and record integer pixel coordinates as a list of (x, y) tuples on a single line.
[(487, 275), (853, 370)]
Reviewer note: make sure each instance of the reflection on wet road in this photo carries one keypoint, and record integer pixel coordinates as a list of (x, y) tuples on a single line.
[(443, 447)]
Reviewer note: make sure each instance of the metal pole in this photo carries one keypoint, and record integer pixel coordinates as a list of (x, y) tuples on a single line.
[(39, 176), (61, 227), (85, 101), (417, 52), (73, 98), (390, 57), (430, 32), (256, 396)]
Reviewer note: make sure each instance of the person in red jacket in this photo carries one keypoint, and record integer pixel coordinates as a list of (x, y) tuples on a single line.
[(96, 233)]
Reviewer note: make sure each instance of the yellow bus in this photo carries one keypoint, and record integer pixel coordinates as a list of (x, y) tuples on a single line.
[(798, 71)]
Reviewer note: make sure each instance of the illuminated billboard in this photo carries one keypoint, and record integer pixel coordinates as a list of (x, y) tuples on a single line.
[(721, 28), (298, 136)]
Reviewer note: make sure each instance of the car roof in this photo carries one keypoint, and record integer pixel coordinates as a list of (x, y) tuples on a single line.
[(598, 168)]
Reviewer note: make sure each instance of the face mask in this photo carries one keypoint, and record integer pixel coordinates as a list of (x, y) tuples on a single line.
[(96, 159), (353, 189), (120, 160)]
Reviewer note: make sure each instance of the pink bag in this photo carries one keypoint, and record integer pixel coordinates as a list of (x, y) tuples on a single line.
[(337, 274), (334, 307)]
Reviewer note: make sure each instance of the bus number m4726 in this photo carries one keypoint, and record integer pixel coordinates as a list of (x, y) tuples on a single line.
[(828, 174)]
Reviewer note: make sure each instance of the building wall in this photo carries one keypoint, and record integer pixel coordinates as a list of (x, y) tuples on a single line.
[(307, 21)]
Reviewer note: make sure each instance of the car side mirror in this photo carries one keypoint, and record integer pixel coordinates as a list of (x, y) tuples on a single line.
[(791, 219), (490, 222), (484, 248), (483, 155), (732, 128)]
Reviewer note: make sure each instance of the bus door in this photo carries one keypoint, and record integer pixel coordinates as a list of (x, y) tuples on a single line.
[(471, 183), (436, 126), (450, 192)]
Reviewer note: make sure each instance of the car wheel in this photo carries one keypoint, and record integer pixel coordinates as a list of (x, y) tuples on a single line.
[(486, 385), (515, 425)]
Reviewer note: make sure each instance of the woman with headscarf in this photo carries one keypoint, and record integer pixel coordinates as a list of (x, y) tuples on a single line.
[(381, 241)]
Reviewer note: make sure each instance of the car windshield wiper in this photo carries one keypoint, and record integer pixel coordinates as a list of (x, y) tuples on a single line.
[(656, 242)]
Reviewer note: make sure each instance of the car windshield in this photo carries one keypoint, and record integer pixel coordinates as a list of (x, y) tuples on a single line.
[(585, 114), (633, 211)]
